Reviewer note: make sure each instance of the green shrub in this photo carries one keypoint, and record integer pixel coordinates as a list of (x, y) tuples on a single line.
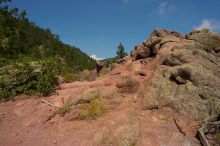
[(46, 83), (29, 77), (209, 46)]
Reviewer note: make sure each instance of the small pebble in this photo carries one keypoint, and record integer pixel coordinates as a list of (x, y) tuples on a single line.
[(52, 122), (19, 104), (54, 142), (2, 113)]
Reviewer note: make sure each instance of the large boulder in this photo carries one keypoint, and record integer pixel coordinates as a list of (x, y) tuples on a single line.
[(158, 34), (140, 52), (127, 85)]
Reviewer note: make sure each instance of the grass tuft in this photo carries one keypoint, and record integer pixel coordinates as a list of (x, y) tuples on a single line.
[(93, 110)]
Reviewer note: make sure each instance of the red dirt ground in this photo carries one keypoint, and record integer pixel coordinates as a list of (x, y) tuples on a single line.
[(124, 123)]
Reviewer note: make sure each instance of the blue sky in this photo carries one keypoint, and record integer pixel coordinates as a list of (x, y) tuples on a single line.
[(98, 26)]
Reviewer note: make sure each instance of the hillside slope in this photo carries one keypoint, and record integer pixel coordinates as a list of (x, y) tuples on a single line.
[(21, 38), (31, 58), (158, 96)]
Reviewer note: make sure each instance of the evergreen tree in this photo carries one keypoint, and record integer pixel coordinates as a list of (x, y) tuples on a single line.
[(121, 52)]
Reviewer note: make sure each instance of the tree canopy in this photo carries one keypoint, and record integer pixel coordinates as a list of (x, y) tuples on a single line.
[(21, 38), (121, 52)]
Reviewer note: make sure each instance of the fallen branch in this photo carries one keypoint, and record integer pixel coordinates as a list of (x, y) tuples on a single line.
[(51, 116), (203, 138), (61, 110), (48, 103), (208, 123)]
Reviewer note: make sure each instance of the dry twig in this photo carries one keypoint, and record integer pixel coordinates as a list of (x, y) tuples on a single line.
[(179, 128)]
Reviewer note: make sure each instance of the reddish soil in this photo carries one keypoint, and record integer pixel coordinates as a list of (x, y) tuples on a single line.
[(125, 123)]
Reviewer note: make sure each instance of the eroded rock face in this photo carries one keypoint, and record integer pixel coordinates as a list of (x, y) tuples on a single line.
[(188, 79)]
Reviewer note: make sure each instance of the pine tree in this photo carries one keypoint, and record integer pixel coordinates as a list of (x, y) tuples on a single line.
[(121, 52)]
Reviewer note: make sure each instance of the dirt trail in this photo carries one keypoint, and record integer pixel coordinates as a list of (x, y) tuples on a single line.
[(124, 122)]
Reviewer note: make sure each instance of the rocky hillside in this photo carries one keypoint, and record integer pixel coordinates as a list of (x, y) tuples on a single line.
[(186, 73), (161, 95)]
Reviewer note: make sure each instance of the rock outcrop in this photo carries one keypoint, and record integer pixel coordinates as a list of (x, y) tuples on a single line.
[(187, 78), (157, 39), (99, 66)]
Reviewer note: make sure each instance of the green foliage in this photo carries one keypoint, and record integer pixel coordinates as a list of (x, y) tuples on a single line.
[(68, 76), (47, 80), (19, 38), (94, 109), (209, 46), (28, 77), (121, 52)]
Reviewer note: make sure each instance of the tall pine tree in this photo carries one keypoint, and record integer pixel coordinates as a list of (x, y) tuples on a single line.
[(121, 52)]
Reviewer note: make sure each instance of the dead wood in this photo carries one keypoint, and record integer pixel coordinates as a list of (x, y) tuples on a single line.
[(179, 128)]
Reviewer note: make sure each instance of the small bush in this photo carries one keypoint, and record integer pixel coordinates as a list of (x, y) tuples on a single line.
[(46, 84), (209, 46), (68, 76), (93, 110), (65, 109)]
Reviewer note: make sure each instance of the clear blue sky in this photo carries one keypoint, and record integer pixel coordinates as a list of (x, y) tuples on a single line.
[(98, 26)]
